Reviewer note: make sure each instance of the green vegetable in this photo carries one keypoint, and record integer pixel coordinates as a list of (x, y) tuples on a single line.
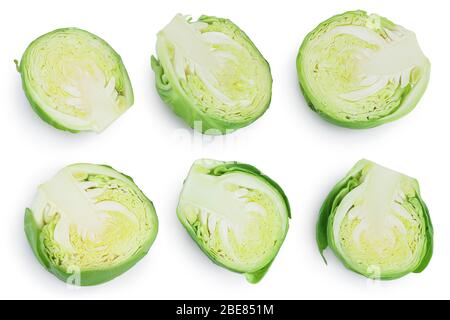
[(238, 216), (89, 224), (75, 81), (360, 71), (211, 74), (376, 223)]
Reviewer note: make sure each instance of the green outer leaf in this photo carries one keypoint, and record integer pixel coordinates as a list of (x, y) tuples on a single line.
[(28, 90), (429, 233), (332, 201), (171, 92), (257, 276), (174, 96), (38, 110), (231, 167), (324, 227), (87, 277), (317, 106), (33, 232)]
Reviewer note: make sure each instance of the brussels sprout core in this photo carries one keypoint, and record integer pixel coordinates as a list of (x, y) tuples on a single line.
[(91, 220), (210, 72), (75, 81), (359, 70), (238, 216), (376, 223)]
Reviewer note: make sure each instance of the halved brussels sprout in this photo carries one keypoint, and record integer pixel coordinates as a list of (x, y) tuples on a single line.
[(360, 71), (238, 216), (211, 74), (89, 224), (376, 223), (75, 81)]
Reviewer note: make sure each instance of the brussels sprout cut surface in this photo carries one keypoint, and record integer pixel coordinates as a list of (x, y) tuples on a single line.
[(211, 74), (360, 71), (238, 216), (89, 224), (75, 81), (376, 223)]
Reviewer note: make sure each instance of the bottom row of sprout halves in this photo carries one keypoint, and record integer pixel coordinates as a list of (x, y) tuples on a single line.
[(90, 223)]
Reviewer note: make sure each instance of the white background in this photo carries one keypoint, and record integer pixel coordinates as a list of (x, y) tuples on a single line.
[(303, 153)]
